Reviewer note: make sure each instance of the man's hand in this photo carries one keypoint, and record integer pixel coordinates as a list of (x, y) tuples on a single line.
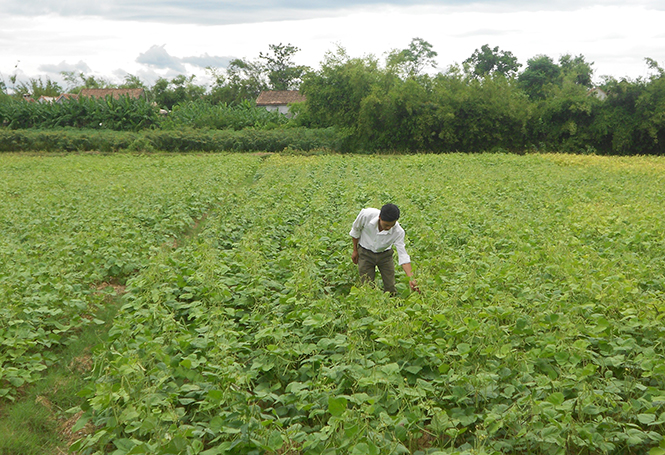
[(354, 256), (414, 286)]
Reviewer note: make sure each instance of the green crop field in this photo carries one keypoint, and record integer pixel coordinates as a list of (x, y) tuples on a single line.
[(243, 329)]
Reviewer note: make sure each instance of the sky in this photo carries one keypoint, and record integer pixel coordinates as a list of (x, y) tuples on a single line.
[(164, 38)]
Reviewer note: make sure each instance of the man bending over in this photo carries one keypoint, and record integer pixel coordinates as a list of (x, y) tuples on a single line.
[(374, 232)]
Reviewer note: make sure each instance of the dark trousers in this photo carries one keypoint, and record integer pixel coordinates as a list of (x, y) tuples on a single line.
[(367, 263)]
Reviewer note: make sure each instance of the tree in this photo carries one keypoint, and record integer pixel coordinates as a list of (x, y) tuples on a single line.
[(541, 71), (576, 69), (77, 82), (36, 88), (632, 117), (411, 61), (480, 115), (132, 81), (246, 79), (282, 72), (335, 92), (653, 65), (488, 62), (178, 90)]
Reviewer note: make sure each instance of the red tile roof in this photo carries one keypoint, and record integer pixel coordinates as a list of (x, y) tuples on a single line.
[(279, 97), (67, 96), (114, 92)]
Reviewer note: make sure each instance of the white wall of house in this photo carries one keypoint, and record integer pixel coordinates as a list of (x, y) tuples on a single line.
[(282, 109)]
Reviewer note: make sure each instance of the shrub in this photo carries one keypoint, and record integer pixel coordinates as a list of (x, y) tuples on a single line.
[(186, 140)]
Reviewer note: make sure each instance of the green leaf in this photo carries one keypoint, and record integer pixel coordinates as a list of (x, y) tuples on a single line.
[(556, 398), (646, 418), (216, 395), (275, 441), (337, 405), (80, 423), (464, 348), (364, 448)]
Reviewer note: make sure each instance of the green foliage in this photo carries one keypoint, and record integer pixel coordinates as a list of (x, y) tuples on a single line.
[(203, 114), (180, 89), (483, 105), (489, 62), (72, 223), (132, 81), (283, 73), (36, 87), (78, 82), (246, 80), (632, 117), (398, 119), (540, 75), (576, 69), (33, 424), (487, 115), (178, 140), (411, 62), (124, 114), (566, 120), (538, 330), (443, 114), (335, 92)]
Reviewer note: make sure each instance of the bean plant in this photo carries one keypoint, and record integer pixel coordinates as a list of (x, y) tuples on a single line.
[(538, 329)]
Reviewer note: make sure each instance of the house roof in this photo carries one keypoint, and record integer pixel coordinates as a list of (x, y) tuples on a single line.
[(279, 97), (114, 92), (66, 96)]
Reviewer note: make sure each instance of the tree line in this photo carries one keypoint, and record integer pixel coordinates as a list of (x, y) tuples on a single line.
[(489, 102)]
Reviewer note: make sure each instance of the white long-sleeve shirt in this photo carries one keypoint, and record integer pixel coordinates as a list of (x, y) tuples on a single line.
[(366, 230)]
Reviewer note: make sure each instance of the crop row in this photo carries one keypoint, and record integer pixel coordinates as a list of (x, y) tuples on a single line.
[(539, 329), (72, 225)]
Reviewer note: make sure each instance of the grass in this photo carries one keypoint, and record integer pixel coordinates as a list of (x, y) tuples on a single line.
[(40, 420)]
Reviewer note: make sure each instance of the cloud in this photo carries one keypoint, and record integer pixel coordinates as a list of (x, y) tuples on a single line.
[(80, 67), (483, 32), (206, 60), (146, 75), (220, 12), (157, 57)]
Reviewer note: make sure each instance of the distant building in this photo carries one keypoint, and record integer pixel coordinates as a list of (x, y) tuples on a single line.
[(46, 99), (66, 96), (598, 93), (49, 99), (279, 100), (116, 93)]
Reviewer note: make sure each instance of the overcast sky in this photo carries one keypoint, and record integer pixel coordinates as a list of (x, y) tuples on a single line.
[(164, 38)]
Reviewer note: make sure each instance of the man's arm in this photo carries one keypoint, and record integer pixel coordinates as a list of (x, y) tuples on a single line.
[(405, 261), (409, 273), (356, 229), (354, 255)]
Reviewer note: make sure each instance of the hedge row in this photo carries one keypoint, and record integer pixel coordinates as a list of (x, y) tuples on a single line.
[(72, 140)]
